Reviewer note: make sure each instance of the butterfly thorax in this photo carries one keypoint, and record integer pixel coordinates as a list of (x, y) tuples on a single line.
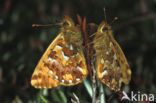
[(72, 35), (103, 39)]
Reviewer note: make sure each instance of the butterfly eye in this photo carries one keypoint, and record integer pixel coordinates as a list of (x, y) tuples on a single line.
[(104, 29), (66, 24)]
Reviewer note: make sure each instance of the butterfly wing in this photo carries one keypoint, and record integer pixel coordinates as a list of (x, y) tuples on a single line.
[(111, 65), (43, 77), (63, 63)]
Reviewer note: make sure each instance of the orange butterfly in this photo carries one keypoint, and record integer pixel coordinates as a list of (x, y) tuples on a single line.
[(111, 65), (64, 63)]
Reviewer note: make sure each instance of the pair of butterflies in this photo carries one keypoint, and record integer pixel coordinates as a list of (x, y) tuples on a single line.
[(63, 63)]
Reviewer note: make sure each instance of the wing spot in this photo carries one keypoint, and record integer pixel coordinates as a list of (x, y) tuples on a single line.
[(102, 61), (104, 72), (62, 80), (67, 46), (70, 81), (56, 76), (71, 47), (107, 61), (79, 68), (111, 44), (107, 52), (59, 47), (115, 56), (49, 59), (73, 56), (64, 56), (118, 68), (61, 37), (51, 72), (77, 79)]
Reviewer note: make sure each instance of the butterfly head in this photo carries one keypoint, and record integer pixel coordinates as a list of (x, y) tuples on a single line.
[(67, 22), (71, 33), (103, 34), (103, 27)]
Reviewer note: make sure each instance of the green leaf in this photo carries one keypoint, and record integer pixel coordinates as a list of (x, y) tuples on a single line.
[(63, 97), (102, 93), (88, 87), (44, 99), (55, 96)]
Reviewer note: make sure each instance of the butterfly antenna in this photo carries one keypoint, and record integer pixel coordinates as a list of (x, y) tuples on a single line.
[(38, 25), (105, 14), (115, 19)]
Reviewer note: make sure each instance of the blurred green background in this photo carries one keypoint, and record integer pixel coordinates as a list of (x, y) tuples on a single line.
[(21, 46)]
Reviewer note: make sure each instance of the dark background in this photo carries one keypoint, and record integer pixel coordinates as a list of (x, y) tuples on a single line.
[(21, 46)]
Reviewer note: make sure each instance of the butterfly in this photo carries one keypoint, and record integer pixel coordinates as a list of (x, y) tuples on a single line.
[(111, 65), (64, 63)]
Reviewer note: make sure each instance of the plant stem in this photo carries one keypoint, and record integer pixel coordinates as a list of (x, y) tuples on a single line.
[(94, 86)]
